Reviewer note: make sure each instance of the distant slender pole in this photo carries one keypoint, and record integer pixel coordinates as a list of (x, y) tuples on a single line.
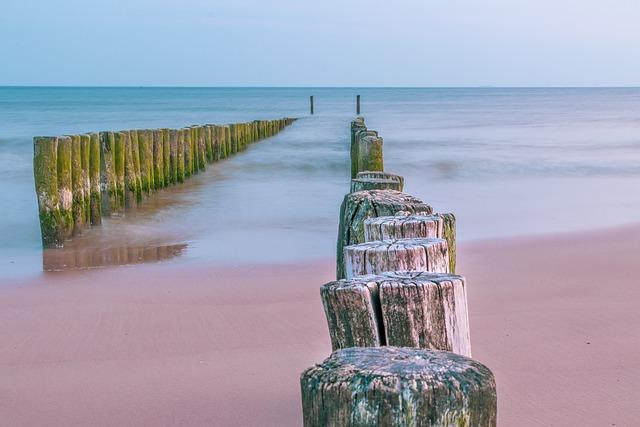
[(311, 103), (358, 104)]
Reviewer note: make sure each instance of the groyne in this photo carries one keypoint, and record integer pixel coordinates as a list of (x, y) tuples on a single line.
[(79, 179), (397, 314)]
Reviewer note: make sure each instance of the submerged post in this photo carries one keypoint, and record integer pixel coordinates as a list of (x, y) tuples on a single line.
[(357, 104), (311, 103)]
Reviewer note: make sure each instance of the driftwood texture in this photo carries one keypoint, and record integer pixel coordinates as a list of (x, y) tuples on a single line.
[(377, 257), (381, 175), (405, 308), (396, 386), (441, 226), (357, 207), (363, 184)]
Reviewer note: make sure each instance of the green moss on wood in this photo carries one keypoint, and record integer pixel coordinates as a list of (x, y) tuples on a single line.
[(94, 179), (45, 173), (158, 159), (65, 183)]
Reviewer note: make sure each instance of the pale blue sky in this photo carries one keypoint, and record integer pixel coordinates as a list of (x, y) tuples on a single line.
[(320, 43)]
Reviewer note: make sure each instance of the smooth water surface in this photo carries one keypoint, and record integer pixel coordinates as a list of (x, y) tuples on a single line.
[(506, 161)]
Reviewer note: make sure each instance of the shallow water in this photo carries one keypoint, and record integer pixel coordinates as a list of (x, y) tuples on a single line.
[(506, 161)]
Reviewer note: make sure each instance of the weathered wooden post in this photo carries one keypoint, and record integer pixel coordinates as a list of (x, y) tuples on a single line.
[(370, 153), (180, 156), (188, 153), (85, 153), (135, 155), (375, 175), (311, 103), (405, 309), (357, 104), (356, 207), (77, 185), (166, 157), (408, 226), (430, 255), (119, 158), (398, 387), (45, 173), (132, 191), (363, 184), (158, 159), (108, 173), (94, 178)]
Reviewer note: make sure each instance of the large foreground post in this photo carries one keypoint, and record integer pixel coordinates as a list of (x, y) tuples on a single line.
[(398, 387)]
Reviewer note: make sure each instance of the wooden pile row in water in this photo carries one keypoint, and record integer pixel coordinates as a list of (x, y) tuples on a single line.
[(397, 315), (81, 178)]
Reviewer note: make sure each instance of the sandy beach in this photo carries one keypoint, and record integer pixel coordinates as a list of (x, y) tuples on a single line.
[(179, 344)]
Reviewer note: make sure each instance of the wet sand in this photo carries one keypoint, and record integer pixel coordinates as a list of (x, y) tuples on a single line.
[(177, 343)]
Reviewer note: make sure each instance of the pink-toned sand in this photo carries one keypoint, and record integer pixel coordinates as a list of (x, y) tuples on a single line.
[(555, 318)]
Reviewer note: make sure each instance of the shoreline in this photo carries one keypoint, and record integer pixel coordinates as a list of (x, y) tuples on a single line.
[(179, 343)]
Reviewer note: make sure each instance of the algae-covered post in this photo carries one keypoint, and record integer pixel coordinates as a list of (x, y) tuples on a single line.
[(79, 178), (65, 190), (45, 173), (77, 185), (395, 386), (357, 104), (370, 153), (94, 178), (311, 103)]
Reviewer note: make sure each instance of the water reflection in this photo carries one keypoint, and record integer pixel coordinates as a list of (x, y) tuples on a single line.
[(73, 258)]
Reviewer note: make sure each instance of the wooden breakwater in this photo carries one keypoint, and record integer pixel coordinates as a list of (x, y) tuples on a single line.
[(79, 179), (397, 315)]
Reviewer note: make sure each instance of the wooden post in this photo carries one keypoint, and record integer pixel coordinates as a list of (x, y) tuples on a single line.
[(158, 159), (65, 185), (369, 153), (77, 185), (108, 173), (166, 158), (145, 143), (405, 309), (398, 387), (407, 226), (377, 257), (381, 175), (131, 178), (94, 178), (85, 156), (180, 156), (311, 103), (356, 207), (120, 139), (357, 104), (403, 227), (134, 152), (45, 173), (363, 184)]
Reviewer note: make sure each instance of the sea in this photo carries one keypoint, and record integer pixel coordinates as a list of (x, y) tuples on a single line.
[(508, 162)]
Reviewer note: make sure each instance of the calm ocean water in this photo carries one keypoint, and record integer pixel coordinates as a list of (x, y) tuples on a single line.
[(506, 161)]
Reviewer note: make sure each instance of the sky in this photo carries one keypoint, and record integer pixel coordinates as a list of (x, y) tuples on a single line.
[(320, 43)]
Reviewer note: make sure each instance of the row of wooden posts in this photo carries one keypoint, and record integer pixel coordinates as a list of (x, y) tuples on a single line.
[(81, 178), (397, 313)]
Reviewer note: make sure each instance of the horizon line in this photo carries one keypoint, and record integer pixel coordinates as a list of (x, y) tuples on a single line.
[(321, 87)]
